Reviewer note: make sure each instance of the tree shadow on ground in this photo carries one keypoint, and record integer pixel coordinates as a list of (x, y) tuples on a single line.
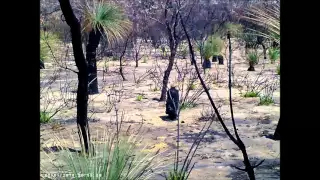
[(209, 137), (269, 169), (166, 118)]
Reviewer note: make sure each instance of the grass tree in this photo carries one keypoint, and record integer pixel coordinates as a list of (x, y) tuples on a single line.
[(217, 45), (270, 17), (274, 54), (102, 19), (212, 47), (253, 59)]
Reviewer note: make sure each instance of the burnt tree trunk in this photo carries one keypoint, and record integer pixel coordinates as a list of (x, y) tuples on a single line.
[(137, 61), (121, 57), (121, 70), (276, 135), (81, 63), (251, 66), (166, 76), (173, 44), (91, 48), (42, 65)]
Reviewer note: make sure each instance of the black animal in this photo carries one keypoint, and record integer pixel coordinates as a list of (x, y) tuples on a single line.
[(172, 104)]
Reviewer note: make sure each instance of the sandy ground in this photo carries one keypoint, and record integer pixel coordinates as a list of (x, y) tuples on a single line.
[(217, 152)]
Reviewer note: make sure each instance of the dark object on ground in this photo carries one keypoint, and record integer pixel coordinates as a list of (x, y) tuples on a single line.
[(251, 66), (206, 64), (260, 39), (275, 44), (108, 53), (42, 65), (276, 135), (57, 149), (172, 104), (214, 58), (182, 121), (220, 58)]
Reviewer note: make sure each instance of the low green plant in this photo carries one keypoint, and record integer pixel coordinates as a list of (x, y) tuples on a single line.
[(187, 105), (184, 52), (266, 100), (139, 97), (274, 54), (253, 57), (115, 58), (213, 46), (177, 175), (192, 86), (278, 69), (235, 29), (114, 157), (44, 117), (251, 94)]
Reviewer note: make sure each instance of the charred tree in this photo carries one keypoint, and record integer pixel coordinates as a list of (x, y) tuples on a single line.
[(249, 169), (42, 65), (121, 58), (173, 45), (91, 50), (276, 135), (82, 65)]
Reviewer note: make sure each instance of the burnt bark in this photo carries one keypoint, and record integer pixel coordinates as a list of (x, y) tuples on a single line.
[(81, 63), (173, 44), (166, 76), (42, 65), (236, 140), (137, 61), (276, 135), (91, 48), (121, 57), (251, 66)]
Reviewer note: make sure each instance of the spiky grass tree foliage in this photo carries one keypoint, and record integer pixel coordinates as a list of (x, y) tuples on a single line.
[(102, 18), (266, 16), (236, 30), (270, 17), (212, 47), (253, 59), (117, 157), (274, 54)]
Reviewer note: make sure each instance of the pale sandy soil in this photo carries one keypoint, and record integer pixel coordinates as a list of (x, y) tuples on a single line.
[(217, 152)]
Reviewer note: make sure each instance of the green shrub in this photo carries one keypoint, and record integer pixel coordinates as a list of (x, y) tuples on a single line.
[(177, 175), (193, 86), (140, 97), (266, 100), (113, 158), (213, 46), (274, 54), (278, 69), (184, 52), (251, 94), (235, 30), (253, 57), (115, 58), (44, 117), (187, 105)]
